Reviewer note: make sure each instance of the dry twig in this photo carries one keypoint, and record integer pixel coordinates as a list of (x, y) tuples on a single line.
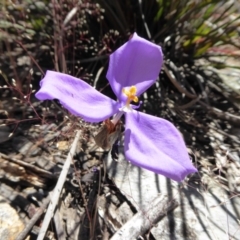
[(33, 220), (58, 189), (32, 168)]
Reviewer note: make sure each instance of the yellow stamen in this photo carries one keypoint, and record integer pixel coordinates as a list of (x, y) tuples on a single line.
[(131, 94)]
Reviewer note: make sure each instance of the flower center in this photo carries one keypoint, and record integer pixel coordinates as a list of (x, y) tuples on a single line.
[(131, 94)]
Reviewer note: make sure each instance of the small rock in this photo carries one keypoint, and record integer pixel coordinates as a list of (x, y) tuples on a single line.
[(11, 225)]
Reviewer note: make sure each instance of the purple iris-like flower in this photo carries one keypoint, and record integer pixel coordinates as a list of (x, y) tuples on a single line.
[(150, 142)]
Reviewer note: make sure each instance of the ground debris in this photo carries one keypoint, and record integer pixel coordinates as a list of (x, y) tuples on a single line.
[(18, 170)]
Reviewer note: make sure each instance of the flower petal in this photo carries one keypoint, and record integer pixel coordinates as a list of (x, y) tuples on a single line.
[(77, 97), (136, 63), (155, 144)]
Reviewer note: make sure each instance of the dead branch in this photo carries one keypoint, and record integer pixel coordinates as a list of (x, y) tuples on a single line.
[(145, 219)]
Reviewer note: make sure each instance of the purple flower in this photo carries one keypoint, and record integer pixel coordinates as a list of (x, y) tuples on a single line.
[(150, 142)]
